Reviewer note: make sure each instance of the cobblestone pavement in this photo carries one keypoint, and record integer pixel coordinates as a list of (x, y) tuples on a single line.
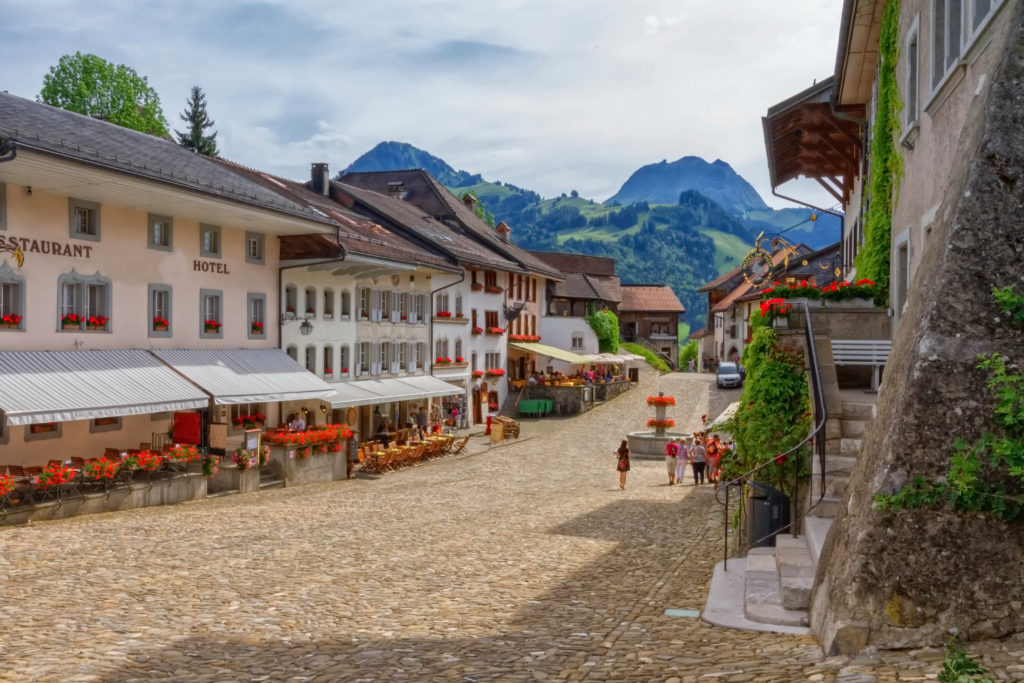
[(524, 562)]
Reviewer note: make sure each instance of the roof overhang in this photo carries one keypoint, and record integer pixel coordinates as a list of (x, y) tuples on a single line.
[(857, 56), (804, 137)]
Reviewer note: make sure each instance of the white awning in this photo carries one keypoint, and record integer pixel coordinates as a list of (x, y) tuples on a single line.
[(369, 392), (60, 386), (246, 375), (554, 352)]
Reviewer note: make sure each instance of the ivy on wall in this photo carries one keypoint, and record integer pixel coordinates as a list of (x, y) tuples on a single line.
[(988, 475), (606, 326), (886, 161)]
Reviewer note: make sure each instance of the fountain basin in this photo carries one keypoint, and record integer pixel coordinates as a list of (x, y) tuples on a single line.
[(650, 446)]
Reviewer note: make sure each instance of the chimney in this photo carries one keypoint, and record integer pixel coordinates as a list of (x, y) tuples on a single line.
[(396, 189), (469, 200), (504, 232), (321, 179)]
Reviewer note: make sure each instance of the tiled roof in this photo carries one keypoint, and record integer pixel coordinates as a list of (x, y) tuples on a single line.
[(424, 191), (726, 281), (424, 227), (60, 133), (744, 291), (355, 233), (639, 298), (608, 288), (702, 332), (578, 263)]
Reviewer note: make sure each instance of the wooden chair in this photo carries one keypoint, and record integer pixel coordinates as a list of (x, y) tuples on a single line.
[(22, 485), (145, 446), (459, 446)]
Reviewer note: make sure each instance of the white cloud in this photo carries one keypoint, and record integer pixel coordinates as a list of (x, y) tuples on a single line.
[(552, 96)]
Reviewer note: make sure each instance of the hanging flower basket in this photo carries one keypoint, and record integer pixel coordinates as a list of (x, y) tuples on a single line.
[(661, 424), (661, 401)]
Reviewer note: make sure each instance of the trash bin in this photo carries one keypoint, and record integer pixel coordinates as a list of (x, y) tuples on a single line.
[(767, 513)]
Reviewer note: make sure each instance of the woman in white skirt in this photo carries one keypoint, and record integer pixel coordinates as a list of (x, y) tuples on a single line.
[(682, 457)]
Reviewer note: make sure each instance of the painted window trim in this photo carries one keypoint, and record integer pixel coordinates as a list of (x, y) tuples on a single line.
[(55, 434), (115, 426), (205, 228), (151, 312), (73, 204), (151, 220), (82, 281), (203, 293), (9, 276), (261, 260), (249, 298)]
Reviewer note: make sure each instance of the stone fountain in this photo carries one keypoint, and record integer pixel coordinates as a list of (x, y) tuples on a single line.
[(651, 444)]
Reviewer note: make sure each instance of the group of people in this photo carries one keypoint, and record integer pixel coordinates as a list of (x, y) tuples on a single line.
[(704, 455), (296, 422), (588, 376)]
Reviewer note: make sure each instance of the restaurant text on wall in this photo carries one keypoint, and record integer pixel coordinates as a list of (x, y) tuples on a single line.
[(52, 247)]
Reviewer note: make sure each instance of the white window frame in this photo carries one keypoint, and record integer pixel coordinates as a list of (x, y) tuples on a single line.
[(290, 300), (328, 304), (327, 355), (385, 357), (344, 360), (309, 301), (309, 358), (346, 304)]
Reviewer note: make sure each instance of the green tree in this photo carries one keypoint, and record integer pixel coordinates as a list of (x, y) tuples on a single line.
[(481, 209), (606, 326), (198, 121), (90, 85)]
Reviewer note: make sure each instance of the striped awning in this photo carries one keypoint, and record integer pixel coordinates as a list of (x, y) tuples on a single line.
[(246, 375), (369, 392), (60, 386), (551, 352)]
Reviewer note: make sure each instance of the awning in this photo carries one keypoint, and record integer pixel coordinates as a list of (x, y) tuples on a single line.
[(246, 375), (59, 386), (368, 392), (551, 352)]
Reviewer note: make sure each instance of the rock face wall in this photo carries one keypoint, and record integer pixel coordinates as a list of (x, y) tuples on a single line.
[(904, 578)]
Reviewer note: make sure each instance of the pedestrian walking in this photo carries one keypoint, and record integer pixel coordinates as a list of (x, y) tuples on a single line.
[(671, 451), (697, 458), (689, 364), (713, 453), (623, 465), (682, 457)]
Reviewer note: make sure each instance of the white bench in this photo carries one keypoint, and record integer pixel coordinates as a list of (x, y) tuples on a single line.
[(872, 352)]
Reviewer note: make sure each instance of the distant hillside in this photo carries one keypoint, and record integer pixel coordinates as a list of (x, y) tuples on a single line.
[(395, 156), (701, 222), (662, 183)]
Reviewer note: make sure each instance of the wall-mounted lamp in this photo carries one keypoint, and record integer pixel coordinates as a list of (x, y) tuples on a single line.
[(306, 327), (907, 144), (323, 409), (28, 191)]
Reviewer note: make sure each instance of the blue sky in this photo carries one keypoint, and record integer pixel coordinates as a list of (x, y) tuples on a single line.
[(552, 95)]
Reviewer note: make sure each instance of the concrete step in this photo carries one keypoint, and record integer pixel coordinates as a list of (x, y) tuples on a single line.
[(856, 410), (763, 592), (271, 484), (828, 506), (853, 429), (816, 528), (849, 446), (796, 571), (839, 465)]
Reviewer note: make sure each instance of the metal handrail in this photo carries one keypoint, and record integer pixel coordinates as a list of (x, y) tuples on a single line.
[(820, 418)]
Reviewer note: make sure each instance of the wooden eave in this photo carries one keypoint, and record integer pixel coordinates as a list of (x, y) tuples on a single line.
[(803, 137), (857, 57)]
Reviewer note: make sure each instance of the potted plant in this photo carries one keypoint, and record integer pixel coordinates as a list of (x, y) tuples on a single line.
[(477, 286), (257, 327), (71, 321), (477, 374), (444, 314), (495, 372), (478, 330), (212, 326), (10, 320), (495, 330), (96, 322), (211, 464), (244, 459), (159, 324)]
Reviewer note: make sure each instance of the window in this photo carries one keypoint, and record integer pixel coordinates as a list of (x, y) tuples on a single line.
[(209, 240), (12, 299), (490, 278), (458, 350), (458, 305), (396, 307), (43, 430), (946, 37), (310, 303), (346, 304), (256, 305), (211, 312), (375, 354), (492, 361), (293, 353), (441, 304), (343, 361), (328, 304), (385, 356), (291, 299), (104, 424), (362, 358), (441, 348), (910, 52), (577, 342), (401, 356), (364, 303), (254, 248), (311, 358), (328, 361), (161, 232), (84, 299), (240, 410), (375, 305), (403, 306), (159, 314), (416, 312), (84, 219), (491, 318), (421, 354), (981, 12)]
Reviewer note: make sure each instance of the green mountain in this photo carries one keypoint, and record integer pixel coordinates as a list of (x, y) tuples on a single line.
[(396, 156), (661, 184), (701, 221)]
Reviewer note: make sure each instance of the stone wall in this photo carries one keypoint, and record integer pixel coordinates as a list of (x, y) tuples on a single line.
[(905, 578), (297, 471)]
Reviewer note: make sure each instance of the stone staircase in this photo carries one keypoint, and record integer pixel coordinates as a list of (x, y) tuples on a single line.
[(269, 479), (779, 580)]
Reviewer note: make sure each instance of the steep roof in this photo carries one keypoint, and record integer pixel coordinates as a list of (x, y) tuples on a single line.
[(67, 135), (578, 263), (583, 286), (422, 226), (423, 190), (640, 298), (354, 233), (726, 281)]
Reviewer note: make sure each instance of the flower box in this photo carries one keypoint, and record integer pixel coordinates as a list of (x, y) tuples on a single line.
[(495, 330), (443, 314), (478, 330), (10, 320), (159, 324), (477, 374), (96, 322), (494, 289), (72, 321), (524, 337), (477, 286), (212, 326), (661, 401), (661, 424), (256, 327), (495, 372)]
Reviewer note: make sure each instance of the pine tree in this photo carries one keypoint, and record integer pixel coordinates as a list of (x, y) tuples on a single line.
[(198, 121)]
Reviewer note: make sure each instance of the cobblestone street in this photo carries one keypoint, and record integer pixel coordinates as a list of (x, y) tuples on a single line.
[(524, 562)]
